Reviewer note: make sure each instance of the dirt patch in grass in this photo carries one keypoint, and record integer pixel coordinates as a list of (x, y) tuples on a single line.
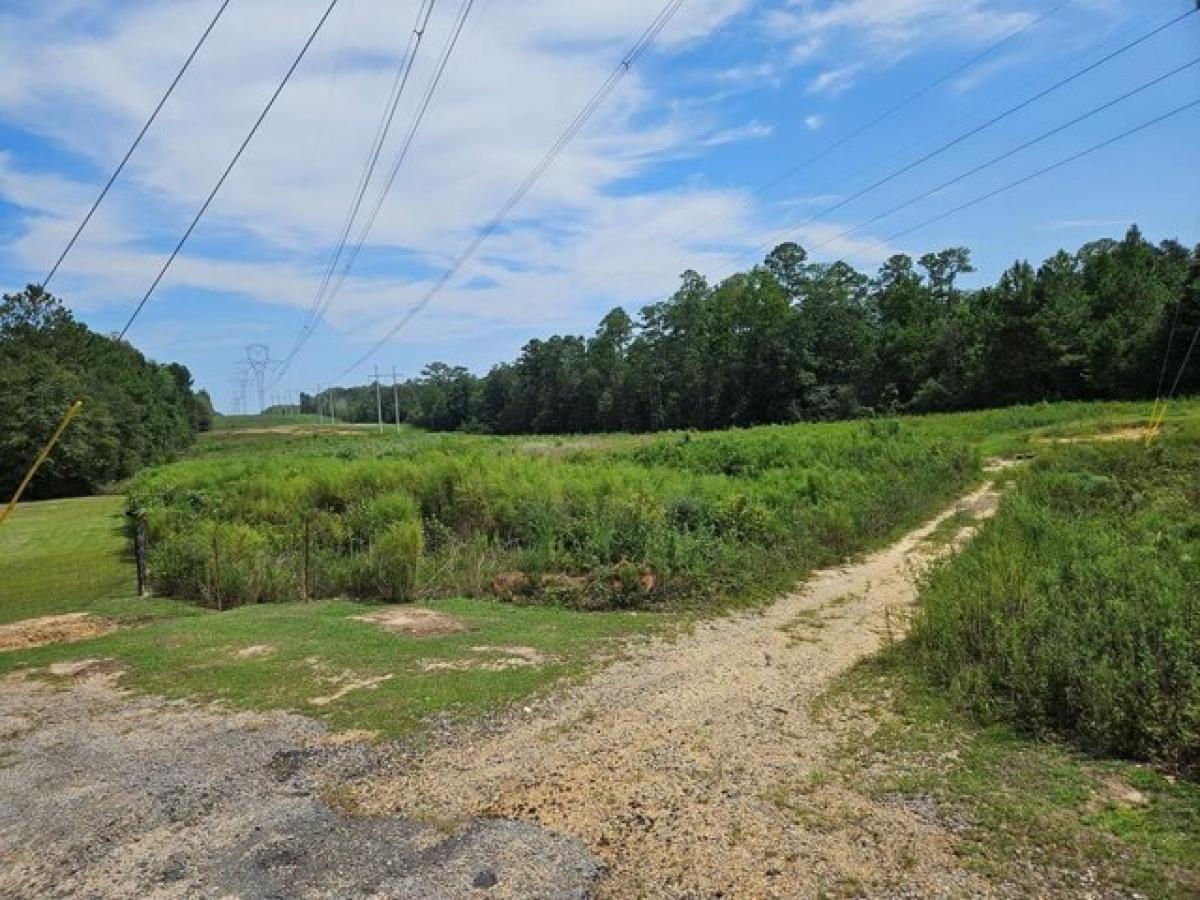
[(254, 651), (1128, 433), (87, 668), (349, 683), (415, 622), (491, 659), (41, 632)]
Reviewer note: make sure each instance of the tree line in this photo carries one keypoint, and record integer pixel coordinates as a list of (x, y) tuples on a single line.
[(135, 412), (794, 340)]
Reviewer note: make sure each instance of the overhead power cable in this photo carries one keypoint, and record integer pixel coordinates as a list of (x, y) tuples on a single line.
[(330, 292), (1187, 357), (882, 117), (399, 84), (229, 168), (1074, 157), (1121, 47), (136, 142), (989, 123), (995, 160), (644, 42), (1162, 374)]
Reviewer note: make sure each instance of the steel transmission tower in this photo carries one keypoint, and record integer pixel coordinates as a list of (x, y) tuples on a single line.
[(259, 362)]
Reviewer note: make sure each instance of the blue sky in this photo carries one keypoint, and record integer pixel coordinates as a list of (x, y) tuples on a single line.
[(664, 178)]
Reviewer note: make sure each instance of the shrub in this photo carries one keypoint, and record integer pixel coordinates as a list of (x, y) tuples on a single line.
[(395, 556), (729, 516), (1077, 610)]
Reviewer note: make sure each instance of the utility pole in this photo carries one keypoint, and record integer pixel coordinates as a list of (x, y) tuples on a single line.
[(396, 398), (320, 411), (378, 401)]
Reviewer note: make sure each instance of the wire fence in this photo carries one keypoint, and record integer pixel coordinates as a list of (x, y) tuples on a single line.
[(66, 578)]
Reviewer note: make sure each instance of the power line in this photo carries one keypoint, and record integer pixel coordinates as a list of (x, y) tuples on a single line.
[(644, 42), (923, 139), (136, 142), (229, 168), (403, 72), (883, 116), (1162, 375), (330, 293), (994, 120), (1008, 154), (1095, 148)]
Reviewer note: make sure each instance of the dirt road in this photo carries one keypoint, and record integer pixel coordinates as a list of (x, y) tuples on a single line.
[(678, 765)]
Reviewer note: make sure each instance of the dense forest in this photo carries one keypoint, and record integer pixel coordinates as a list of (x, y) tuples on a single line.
[(792, 340), (135, 411)]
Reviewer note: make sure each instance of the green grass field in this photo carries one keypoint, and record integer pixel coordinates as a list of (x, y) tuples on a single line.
[(300, 653), (64, 556), (281, 420)]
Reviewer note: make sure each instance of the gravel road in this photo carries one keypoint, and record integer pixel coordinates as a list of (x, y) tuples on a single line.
[(106, 795)]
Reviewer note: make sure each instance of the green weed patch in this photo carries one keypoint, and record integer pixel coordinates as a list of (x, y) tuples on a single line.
[(679, 520), (1077, 611)]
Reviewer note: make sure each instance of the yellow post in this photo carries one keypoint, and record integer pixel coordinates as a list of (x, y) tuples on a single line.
[(41, 458), (1156, 421)]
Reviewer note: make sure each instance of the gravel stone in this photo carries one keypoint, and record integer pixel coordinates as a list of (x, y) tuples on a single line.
[(103, 794)]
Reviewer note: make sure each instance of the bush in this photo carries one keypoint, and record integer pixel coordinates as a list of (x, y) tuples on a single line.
[(395, 556), (728, 516), (1077, 611)]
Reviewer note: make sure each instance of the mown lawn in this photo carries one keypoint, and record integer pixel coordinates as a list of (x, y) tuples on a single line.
[(63, 556), (285, 656)]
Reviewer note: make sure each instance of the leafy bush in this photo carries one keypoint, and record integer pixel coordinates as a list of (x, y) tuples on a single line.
[(395, 555), (711, 517), (1077, 611)]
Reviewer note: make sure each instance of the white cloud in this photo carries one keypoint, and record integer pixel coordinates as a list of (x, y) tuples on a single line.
[(82, 76), (516, 79), (877, 34), (834, 82)]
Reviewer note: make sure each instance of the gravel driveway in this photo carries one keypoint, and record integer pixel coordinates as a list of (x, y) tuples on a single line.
[(103, 794)]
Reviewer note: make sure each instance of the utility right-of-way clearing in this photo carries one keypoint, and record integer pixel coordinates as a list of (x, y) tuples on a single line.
[(676, 765)]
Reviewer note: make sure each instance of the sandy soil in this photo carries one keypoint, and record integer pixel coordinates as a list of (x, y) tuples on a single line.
[(680, 764), (47, 630), (414, 621), (1129, 433)]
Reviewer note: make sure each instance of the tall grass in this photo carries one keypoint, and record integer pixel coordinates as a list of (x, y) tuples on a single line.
[(678, 519), (1077, 611)]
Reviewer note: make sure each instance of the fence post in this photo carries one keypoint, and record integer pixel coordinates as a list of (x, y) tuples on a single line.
[(216, 570), (307, 562), (139, 549)]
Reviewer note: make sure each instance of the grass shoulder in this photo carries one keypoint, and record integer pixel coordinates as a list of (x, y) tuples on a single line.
[(329, 661), (1024, 813)]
